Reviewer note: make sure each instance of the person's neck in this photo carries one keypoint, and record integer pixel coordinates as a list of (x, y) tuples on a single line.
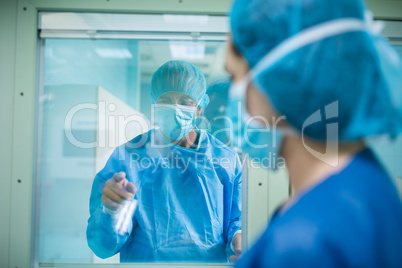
[(305, 170), (187, 141)]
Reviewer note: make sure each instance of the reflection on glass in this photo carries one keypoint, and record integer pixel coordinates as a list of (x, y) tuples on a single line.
[(95, 98), (218, 93)]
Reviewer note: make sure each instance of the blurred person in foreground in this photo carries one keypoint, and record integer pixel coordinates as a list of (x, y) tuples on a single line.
[(319, 76)]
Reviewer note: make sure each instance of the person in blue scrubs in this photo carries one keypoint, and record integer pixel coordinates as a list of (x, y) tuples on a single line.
[(172, 194), (320, 77)]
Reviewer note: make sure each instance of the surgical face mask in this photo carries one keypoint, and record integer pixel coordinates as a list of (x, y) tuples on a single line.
[(260, 142), (308, 36), (175, 121)]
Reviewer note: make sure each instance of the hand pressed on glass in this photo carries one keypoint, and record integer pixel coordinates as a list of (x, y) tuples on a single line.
[(117, 191), (236, 241)]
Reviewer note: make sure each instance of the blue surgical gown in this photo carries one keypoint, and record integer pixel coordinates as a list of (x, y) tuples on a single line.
[(351, 219), (189, 201)]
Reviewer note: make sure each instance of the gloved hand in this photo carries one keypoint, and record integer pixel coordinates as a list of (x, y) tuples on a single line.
[(117, 191), (236, 241)]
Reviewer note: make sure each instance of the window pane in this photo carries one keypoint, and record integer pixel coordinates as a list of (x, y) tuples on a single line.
[(88, 86)]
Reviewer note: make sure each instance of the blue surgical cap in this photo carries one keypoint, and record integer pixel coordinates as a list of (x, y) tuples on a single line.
[(218, 92), (182, 77), (353, 79)]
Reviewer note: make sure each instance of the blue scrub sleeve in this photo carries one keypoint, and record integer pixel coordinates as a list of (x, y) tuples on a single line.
[(104, 240), (235, 214), (103, 237)]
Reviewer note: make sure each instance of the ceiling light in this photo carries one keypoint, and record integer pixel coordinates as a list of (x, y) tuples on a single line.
[(190, 51), (114, 53)]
